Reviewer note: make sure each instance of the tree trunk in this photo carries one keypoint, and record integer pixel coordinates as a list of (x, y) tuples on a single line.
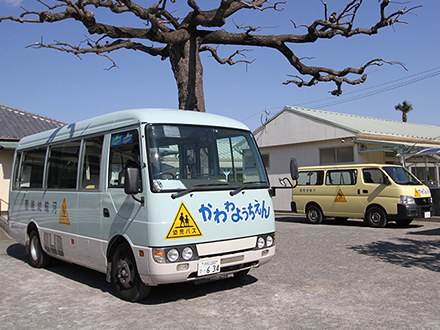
[(188, 72)]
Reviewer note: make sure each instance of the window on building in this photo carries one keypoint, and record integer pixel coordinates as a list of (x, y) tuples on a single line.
[(336, 155)]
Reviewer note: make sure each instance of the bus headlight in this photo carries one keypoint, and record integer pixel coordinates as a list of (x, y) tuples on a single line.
[(173, 255), (269, 241), (187, 253), (407, 199), (260, 242)]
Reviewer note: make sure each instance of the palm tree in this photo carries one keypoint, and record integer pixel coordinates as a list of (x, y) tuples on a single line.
[(405, 107)]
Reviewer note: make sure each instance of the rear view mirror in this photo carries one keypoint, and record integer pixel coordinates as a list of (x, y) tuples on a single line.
[(132, 183), (294, 169)]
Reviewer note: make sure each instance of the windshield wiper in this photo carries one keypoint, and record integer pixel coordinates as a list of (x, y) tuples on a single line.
[(244, 186), (197, 187)]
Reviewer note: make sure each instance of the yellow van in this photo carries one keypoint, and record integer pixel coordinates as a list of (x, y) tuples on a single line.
[(376, 193)]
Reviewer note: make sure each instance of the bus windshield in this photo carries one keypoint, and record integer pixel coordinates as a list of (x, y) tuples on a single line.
[(401, 176), (183, 158)]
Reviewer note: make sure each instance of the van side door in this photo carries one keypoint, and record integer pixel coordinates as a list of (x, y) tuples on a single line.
[(343, 191)]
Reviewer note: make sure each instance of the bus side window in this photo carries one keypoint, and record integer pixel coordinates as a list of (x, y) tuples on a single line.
[(124, 148), (91, 163), (32, 168), (63, 165)]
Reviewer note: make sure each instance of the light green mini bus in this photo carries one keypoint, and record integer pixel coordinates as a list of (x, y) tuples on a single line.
[(148, 197)]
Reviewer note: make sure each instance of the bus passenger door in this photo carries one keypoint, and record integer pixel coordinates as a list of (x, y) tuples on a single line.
[(89, 205), (120, 213)]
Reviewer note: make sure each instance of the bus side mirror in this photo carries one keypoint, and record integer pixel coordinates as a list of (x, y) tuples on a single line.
[(133, 183), (294, 169)]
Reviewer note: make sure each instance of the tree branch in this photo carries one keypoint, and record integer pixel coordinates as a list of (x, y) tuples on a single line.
[(229, 60)]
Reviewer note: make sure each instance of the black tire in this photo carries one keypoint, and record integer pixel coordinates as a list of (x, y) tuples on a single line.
[(125, 277), (376, 217), (404, 222), (314, 214), (37, 257)]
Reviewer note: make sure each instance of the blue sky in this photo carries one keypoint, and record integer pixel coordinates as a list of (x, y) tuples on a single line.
[(61, 86)]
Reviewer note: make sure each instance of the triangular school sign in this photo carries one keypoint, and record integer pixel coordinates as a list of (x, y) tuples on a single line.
[(340, 197), (183, 225), (64, 217)]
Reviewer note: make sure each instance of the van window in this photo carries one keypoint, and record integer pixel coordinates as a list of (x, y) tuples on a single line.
[(310, 178), (63, 165), (91, 163), (32, 168), (341, 177), (373, 175), (124, 147), (401, 176)]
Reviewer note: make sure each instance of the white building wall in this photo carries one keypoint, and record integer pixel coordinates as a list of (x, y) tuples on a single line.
[(6, 158)]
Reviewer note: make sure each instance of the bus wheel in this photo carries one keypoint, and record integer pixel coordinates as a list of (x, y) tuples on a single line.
[(125, 277), (376, 217), (314, 214), (37, 257)]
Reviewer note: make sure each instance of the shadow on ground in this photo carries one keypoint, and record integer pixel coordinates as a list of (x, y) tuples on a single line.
[(159, 295)]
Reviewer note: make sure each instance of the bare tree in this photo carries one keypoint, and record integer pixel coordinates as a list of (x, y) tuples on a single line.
[(405, 107), (181, 40)]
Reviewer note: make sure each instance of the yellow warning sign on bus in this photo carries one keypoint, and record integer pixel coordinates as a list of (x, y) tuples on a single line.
[(183, 225), (416, 193), (64, 217), (340, 197)]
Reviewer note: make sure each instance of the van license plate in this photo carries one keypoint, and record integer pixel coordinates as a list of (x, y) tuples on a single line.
[(208, 267), (427, 214)]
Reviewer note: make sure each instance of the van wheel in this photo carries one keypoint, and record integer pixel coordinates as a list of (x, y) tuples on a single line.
[(376, 217), (37, 257), (125, 277), (314, 214)]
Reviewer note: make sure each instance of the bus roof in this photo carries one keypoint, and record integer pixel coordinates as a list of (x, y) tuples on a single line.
[(126, 118)]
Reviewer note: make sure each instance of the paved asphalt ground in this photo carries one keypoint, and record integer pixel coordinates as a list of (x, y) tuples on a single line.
[(325, 276)]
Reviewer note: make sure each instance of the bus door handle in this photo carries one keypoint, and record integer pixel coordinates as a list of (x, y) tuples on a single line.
[(106, 213), (363, 191)]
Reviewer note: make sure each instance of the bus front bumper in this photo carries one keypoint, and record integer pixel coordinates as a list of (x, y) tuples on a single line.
[(153, 273)]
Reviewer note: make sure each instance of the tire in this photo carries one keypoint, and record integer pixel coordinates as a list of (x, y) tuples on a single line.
[(37, 257), (376, 217), (125, 277), (314, 214)]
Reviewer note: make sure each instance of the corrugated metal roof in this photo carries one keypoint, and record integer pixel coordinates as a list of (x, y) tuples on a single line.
[(15, 123), (363, 124)]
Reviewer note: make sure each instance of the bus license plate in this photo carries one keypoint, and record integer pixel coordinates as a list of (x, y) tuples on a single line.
[(208, 267), (427, 214)]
